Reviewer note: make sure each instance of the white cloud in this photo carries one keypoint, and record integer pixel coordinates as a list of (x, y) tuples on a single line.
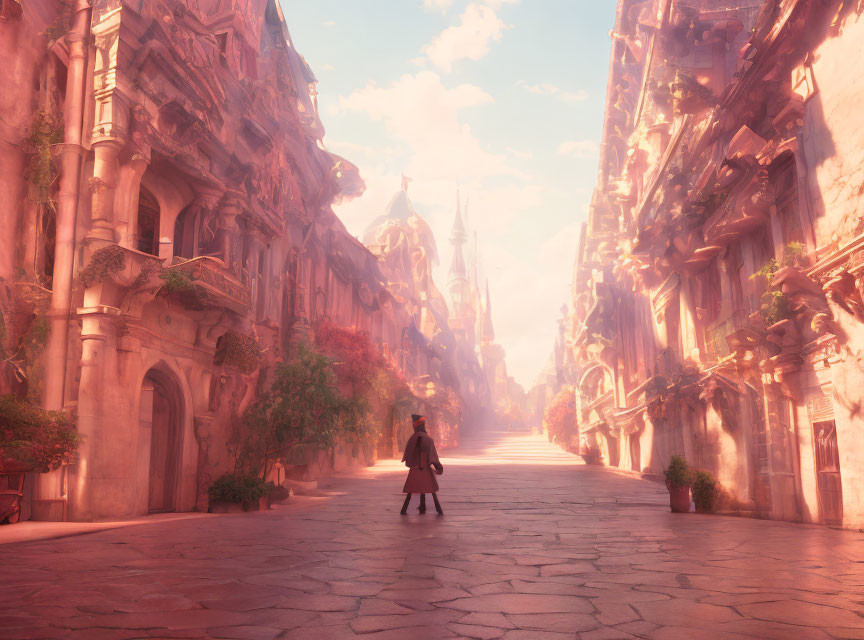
[(546, 89), (424, 115), (578, 148), (522, 155), (437, 5), (478, 26), (497, 4)]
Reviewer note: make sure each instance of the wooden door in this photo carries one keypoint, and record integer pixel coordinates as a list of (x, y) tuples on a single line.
[(163, 450), (828, 473)]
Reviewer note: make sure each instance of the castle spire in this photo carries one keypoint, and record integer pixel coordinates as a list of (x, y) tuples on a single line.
[(458, 271), (488, 329)]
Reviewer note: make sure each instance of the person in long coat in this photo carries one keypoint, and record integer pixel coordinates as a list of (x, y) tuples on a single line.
[(420, 457)]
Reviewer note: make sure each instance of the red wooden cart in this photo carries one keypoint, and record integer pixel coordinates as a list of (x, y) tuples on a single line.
[(11, 490)]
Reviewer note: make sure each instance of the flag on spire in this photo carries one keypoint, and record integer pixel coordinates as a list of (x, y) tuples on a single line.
[(405, 181)]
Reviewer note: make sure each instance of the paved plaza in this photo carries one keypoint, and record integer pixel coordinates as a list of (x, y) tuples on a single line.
[(533, 545)]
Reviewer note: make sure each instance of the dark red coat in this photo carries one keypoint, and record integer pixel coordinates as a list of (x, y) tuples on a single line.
[(419, 457)]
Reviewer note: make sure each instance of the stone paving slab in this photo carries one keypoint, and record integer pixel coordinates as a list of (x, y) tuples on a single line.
[(534, 545)]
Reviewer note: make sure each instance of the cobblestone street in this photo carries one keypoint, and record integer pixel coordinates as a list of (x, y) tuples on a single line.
[(533, 545)]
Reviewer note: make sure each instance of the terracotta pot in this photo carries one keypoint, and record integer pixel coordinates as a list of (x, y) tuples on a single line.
[(226, 507), (679, 499), (263, 503)]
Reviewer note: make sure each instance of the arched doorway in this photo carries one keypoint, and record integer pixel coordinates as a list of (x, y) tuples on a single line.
[(162, 413)]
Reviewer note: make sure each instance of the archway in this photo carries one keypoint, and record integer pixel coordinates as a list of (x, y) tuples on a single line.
[(162, 415)]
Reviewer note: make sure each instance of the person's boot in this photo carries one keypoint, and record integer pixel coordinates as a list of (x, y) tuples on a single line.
[(437, 505), (423, 503), (405, 505)]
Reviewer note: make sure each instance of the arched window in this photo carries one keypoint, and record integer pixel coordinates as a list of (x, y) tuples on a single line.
[(147, 233), (185, 233)]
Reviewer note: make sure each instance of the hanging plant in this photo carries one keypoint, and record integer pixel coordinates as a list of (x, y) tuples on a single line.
[(239, 350), (775, 307), (104, 262)]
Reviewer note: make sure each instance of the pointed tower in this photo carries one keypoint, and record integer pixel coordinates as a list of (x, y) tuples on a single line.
[(488, 336), (462, 318), (492, 355)]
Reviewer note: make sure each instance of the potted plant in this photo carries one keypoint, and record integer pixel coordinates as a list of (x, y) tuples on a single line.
[(678, 481), (232, 493), (705, 491)]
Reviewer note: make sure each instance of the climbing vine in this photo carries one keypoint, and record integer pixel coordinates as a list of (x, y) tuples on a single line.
[(104, 262), (61, 25), (45, 130), (775, 304)]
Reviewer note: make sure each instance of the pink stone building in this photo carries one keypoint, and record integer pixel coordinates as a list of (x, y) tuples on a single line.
[(718, 287), (165, 210)]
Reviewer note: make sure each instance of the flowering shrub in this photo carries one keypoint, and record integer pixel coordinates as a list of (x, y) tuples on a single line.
[(42, 440), (560, 417), (245, 490)]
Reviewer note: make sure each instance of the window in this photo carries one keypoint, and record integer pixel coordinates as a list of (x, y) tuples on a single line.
[(786, 198), (147, 232)]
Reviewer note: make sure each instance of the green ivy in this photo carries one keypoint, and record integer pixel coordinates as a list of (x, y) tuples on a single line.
[(104, 262), (175, 280)]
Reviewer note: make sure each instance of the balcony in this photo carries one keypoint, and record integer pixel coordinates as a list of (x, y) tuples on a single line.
[(205, 282)]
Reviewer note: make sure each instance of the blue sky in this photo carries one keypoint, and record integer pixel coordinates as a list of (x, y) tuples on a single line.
[(501, 99)]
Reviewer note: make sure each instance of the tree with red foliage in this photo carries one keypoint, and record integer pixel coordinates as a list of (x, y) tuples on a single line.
[(356, 359)]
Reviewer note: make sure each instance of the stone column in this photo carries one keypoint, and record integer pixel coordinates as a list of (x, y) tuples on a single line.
[(103, 185), (96, 487), (49, 486)]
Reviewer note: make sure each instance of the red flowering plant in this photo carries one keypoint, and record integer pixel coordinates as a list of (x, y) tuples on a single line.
[(37, 439), (560, 415)]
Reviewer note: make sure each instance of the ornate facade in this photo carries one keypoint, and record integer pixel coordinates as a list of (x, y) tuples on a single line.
[(165, 211), (717, 290)]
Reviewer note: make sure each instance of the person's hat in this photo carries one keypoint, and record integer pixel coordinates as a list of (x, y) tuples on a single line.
[(416, 417)]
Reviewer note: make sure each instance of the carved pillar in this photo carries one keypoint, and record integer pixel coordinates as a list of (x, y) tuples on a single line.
[(110, 93)]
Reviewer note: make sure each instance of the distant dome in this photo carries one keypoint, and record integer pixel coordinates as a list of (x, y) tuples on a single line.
[(399, 208)]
